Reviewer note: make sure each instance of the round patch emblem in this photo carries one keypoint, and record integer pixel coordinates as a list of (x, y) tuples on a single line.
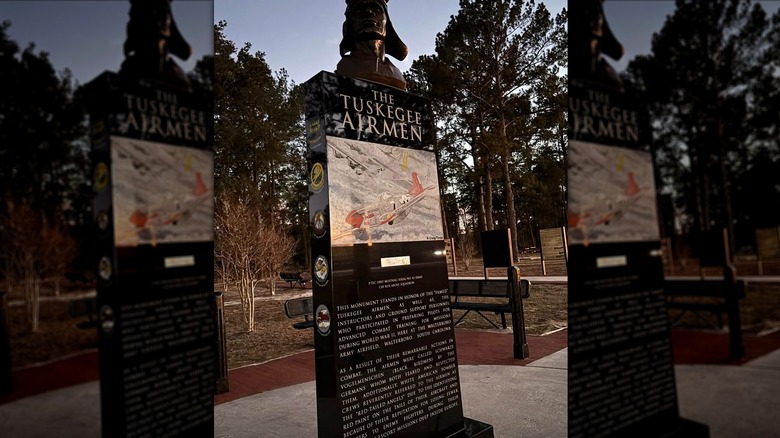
[(321, 270), (317, 177), (106, 319), (323, 319), (104, 268), (319, 225), (101, 176), (102, 220)]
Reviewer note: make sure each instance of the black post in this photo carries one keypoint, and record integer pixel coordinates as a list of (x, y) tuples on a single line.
[(6, 377), (223, 384), (736, 345), (518, 319)]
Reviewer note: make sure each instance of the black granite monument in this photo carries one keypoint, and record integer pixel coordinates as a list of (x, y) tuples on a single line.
[(152, 152), (621, 374), (386, 362)]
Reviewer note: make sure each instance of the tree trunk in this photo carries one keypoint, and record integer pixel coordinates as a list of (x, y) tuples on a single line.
[(488, 197), (726, 191), (511, 218)]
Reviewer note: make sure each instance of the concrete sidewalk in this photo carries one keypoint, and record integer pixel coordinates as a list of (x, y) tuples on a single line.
[(531, 400), (518, 401)]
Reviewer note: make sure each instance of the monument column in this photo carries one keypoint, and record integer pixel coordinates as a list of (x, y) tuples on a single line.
[(386, 362), (621, 372), (152, 155)]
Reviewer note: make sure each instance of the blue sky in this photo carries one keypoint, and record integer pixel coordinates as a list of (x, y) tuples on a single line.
[(87, 36)]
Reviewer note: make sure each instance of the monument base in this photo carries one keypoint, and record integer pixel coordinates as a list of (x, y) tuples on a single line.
[(688, 428), (475, 429)]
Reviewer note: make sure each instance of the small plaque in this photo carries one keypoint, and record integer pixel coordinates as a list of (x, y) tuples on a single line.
[(177, 262), (395, 261), (611, 261)]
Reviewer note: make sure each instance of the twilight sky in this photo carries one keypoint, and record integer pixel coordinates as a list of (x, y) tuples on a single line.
[(301, 36), (87, 36)]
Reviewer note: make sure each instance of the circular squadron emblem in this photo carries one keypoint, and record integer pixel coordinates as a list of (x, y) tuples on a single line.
[(106, 319), (319, 224), (323, 320), (102, 220), (101, 176), (321, 270), (104, 268), (317, 177)]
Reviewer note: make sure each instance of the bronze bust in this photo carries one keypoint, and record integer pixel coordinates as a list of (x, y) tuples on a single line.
[(368, 35), (152, 36), (590, 38)]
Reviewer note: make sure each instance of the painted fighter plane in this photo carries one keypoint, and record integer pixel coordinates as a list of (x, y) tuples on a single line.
[(170, 213), (389, 208)]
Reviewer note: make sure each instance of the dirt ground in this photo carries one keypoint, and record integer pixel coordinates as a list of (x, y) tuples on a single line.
[(274, 335)]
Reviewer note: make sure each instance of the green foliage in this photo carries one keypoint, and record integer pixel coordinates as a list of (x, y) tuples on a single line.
[(42, 127), (711, 83), (259, 145), (500, 105)]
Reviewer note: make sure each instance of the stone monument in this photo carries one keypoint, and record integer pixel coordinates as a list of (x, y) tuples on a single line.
[(385, 353), (152, 153), (621, 373)]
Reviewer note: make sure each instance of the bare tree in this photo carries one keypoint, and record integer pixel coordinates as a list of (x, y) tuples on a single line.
[(239, 234), (279, 249), (60, 248), (467, 246), (24, 250)]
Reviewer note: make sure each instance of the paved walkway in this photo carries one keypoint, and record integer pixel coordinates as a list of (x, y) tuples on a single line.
[(518, 397)]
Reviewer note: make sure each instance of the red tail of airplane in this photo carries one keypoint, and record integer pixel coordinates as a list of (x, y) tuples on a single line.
[(200, 187), (632, 188), (417, 188)]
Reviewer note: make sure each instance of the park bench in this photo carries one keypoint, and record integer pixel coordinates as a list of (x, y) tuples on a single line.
[(81, 279), (81, 307), (298, 307), (491, 289), (293, 278), (712, 295)]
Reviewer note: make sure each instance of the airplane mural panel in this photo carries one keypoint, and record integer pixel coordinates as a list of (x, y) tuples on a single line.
[(381, 193), (611, 194), (161, 193)]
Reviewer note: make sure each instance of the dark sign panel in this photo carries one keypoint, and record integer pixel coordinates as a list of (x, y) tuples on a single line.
[(154, 203), (386, 363), (497, 248), (621, 373)]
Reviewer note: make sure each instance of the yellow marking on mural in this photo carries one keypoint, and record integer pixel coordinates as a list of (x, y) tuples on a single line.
[(188, 165), (620, 162), (406, 159)]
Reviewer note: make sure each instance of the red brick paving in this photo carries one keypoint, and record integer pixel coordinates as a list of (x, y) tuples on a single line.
[(74, 370), (474, 348), (696, 347)]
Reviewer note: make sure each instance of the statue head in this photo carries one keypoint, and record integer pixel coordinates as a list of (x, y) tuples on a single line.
[(152, 36), (590, 38), (367, 20)]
